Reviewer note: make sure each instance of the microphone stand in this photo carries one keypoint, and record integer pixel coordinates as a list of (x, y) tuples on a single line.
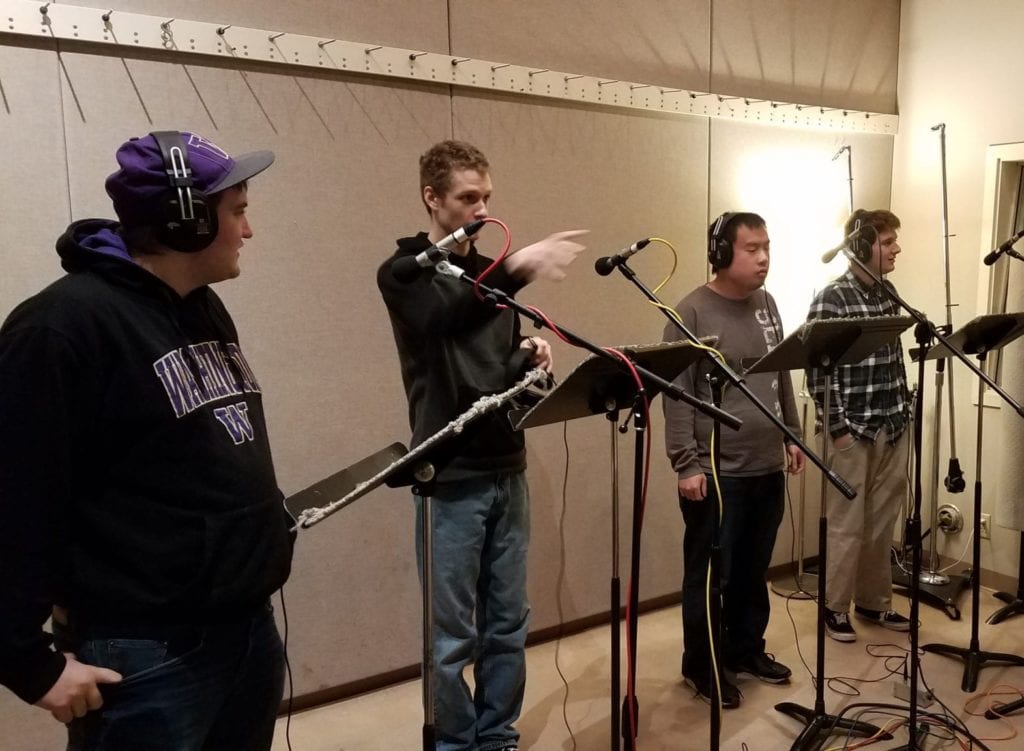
[(934, 585), (630, 706), (717, 378), (924, 332), (739, 383)]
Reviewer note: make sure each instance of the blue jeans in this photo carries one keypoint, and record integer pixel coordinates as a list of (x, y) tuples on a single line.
[(481, 534), (207, 688), (751, 515)]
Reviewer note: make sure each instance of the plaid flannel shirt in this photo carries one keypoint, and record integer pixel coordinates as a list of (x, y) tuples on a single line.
[(870, 395)]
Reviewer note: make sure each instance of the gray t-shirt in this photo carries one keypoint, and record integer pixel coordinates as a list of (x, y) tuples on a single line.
[(746, 330)]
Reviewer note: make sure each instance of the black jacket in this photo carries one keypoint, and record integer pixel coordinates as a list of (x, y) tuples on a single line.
[(453, 349), (136, 482)]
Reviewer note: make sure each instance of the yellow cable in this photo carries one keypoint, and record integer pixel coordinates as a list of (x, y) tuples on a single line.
[(675, 261), (707, 585)]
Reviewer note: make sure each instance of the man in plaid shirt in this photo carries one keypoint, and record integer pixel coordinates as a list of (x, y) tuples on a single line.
[(869, 413)]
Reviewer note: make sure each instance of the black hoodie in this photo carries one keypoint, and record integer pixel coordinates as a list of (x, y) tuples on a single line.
[(454, 349), (136, 482)]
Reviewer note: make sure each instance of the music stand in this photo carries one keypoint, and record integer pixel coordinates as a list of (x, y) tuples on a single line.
[(826, 344), (978, 337), (398, 467), (599, 386)]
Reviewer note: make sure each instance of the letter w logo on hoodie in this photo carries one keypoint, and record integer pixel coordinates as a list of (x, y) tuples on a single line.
[(235, 418)]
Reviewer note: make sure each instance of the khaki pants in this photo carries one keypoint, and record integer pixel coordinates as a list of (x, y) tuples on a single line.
[(860, 532)]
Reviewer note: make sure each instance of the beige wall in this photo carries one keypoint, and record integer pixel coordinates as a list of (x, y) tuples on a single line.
[(344, 186), (959, 64)]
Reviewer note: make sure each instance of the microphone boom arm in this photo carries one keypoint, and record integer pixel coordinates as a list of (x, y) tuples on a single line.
[(738, 382), (497, 296)]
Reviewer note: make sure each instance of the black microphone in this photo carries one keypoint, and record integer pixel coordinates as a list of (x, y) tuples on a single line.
[(991, 257), (407, 268), (606, 265), (831, 253)]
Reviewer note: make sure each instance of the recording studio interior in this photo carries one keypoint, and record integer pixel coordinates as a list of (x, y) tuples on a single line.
[(641, 119)]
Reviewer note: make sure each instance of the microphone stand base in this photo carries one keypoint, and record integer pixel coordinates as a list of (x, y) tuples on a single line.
[(820, 727), (1014, 606), (943, 596)]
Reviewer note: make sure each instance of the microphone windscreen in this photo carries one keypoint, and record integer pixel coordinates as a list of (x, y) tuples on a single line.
[(604, 266)]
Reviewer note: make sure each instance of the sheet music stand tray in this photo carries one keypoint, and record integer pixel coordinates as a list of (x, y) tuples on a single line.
[(827, 344), (979, 337), (599, 386)]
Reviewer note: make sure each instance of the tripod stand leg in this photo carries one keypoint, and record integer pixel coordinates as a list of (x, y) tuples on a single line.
[(1002, 710), (1014, 603), (820, 727)]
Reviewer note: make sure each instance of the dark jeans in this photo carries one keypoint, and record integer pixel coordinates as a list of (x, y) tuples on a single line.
[(751, 515), (209, 688)]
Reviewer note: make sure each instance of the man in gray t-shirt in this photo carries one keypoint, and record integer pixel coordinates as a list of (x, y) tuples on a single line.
[(734, 307)]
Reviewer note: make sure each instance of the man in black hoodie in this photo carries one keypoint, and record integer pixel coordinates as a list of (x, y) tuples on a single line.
[(138, 501), (453, 349)]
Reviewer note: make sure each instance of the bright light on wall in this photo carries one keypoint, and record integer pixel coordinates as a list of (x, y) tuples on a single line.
[(803, 195)]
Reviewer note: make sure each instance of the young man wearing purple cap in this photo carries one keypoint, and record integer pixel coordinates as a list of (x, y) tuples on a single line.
[(138, 501)]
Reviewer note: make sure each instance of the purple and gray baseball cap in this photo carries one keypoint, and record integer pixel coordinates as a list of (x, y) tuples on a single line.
[(143, 177)]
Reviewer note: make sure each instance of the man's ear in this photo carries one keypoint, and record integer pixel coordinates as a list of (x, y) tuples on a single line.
[(430, 197)]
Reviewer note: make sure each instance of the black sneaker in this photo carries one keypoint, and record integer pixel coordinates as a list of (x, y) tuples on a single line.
[(889, 619), (763, 667), (730, 694), (838, 626)]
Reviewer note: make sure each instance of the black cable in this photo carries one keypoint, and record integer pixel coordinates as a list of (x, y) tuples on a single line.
[(288, 671), (561, 580)]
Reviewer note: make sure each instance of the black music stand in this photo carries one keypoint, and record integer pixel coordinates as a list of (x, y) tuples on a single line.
[(826, 344), (343, 483), (599, 386), (387, 467), (978, 337), (398, 467)]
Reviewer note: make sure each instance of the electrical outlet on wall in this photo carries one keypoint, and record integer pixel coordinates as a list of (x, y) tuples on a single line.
[(986, 527)]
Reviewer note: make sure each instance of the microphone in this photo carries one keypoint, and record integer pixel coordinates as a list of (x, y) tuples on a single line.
[(841, 150), (991, 257), (831, 253), (606, 265), (407, 268)]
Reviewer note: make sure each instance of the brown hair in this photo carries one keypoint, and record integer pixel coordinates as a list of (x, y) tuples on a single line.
[(441, 159), (880, 219)]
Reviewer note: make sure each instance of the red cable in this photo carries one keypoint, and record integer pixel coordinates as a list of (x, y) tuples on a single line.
[(496, 262), (630, 646)]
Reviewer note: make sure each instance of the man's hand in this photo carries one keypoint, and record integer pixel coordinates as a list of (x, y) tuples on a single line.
[(76, 691), (541, 357), (795, 459), (546, 259), (694, 488)]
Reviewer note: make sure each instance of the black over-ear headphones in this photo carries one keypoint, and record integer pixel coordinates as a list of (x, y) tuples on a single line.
[(863, 241), (719, 245), (187, 222)]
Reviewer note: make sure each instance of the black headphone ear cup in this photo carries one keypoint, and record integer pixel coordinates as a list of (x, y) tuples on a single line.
[(719, 247), (722, 254), (187, 229), (862, 248), (186, 236)]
